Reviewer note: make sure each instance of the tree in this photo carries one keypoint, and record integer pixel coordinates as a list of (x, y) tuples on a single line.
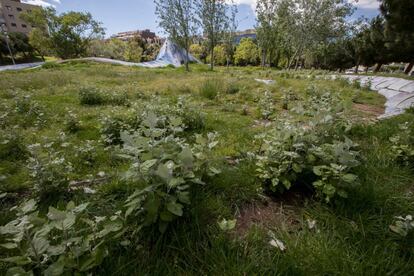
[(19, 44), (267, 28), (247, 53), (198, 51), (133, 51), (220, 57), (40, 42), (68, 34), (177, 18), (215, 20), (399, 29)]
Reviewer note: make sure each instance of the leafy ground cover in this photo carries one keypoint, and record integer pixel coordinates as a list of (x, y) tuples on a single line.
[(116, 170)]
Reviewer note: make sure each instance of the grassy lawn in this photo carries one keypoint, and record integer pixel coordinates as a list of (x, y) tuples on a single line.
[(77, 110)]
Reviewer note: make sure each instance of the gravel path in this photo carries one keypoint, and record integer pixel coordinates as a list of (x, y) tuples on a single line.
[(20, 66), (399, 92)]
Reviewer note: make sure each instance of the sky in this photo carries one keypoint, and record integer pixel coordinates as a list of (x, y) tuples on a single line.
[(127, 15)]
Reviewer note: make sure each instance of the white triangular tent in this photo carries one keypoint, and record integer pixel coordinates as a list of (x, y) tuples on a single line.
[(170, 54)]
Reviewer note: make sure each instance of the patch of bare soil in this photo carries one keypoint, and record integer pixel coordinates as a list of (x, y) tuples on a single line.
[(268, 214), (370, 110)]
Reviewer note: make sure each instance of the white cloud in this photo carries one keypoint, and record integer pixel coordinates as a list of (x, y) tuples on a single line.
[(251, 3), (43, 3), (366, 4)]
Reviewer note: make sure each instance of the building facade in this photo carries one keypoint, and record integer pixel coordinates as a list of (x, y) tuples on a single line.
[(146, 35), (10, 11)]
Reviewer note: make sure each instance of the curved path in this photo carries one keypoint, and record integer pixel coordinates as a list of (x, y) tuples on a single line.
[(399, 92)]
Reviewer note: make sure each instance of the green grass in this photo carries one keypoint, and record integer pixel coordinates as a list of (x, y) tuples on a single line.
[(351, 236)]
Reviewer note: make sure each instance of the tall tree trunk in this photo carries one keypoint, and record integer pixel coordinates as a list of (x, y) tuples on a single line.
[(408, 68), (187, 68), (377, 67), (356, 70), (297, 63), (263, 58), (293, 58)]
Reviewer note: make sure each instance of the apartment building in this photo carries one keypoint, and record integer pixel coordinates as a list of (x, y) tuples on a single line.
[(10, 11), (147, 35)]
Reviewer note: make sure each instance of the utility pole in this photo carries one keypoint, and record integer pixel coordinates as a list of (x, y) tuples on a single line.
[(4, 30)]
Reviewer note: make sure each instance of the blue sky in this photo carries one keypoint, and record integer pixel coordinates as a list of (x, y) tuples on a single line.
[(126, 15)]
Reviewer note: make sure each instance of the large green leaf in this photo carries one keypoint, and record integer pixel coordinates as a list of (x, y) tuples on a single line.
[(175, 208), (56, 268), (28, 206), (164, 172), (186, 157), (18, 271)]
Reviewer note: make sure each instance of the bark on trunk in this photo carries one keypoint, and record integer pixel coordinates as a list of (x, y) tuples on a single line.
[(263, 58), (408, 68), (187, 68), (377, 67), (212, 59), (293, 58), (356, 71)]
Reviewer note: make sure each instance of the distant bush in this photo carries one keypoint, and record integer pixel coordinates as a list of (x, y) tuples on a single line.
[(49, 171), (232, 87), (30, 111), (72, 123), (210, 88), (96, 96), (112, 126), (12, 147), (292, 154), (51, 65), (91, 96)]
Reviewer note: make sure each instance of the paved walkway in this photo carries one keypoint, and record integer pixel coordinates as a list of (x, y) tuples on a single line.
[(20, 66), (399, 92)]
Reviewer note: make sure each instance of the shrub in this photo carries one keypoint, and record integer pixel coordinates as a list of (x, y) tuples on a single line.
[(210, 89), (117, 98), (72, 123), (96, 96), (403, 145), (193, 119), (232, 88), (316, 151), (30, 112), (91, 96), (292, 155), (266, 106), (50, 172), (167, 165), (65, 241), (12, 147), (112, 126)]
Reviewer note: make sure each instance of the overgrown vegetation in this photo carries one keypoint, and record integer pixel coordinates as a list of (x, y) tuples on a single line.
[(114, 170)]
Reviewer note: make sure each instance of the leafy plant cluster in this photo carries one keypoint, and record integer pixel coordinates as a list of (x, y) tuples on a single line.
[(50, 172), (64, 241), (72, 123), (191, 119), (311, 152), (29, 112), (266, 106), (97, 96), (167, 165), (403, 145), (209, 89)]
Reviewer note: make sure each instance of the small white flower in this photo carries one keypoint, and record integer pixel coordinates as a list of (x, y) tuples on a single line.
[(278, 244), (87, 190), (311, 223), (101, 174)]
